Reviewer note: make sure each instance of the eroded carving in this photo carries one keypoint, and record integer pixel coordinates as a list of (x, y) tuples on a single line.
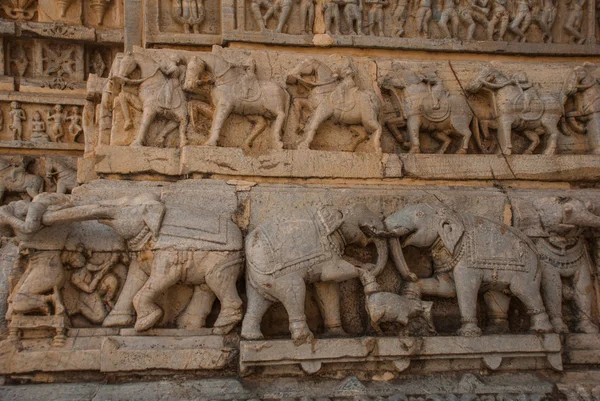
[(17, 116), (189, 13)]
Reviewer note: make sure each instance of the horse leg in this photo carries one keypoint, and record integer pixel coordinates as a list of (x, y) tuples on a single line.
[(222, 111), (278, 128), (444, 139), (61, 187), (504, 134), (260, 123), (413, 124), (316, 119), (534, 138), (147, 119), (183, 126), (462, 128), (372, 125), (551, 128)]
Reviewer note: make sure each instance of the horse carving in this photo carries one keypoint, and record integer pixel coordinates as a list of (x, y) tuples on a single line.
[(425, 104), (518, 105), (584, 87), (237, 90), (15, 178), (336, 97), (159, 92)]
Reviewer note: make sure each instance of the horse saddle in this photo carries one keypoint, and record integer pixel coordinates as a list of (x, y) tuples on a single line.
[(248, 89), (532, 111), (169, 97), (344, 99), (435, 111)]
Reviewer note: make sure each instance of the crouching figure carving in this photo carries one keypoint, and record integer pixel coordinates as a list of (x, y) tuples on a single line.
[(286, 253), (469, 253)]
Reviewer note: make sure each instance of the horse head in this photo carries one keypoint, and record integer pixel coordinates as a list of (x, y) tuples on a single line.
[(127, 65), (195, 68), (311, 66), (484, 78)]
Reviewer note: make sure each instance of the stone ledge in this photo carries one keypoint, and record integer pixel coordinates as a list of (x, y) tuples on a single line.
[(582, 349), (490, 350), (41, 145)]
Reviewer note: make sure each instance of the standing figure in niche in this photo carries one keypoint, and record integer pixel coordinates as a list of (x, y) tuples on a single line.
[(189, 13), (75, 128), (423, 17), (256, 7), (472, 12), (17, 116), (353, 15), (307, 16), (376, 16), (449, 13), (545, 15), (520, 24), (38, 129), (399, 15), (500, 15), (574, 23), (282, 9), (57, 128), (331, 15)]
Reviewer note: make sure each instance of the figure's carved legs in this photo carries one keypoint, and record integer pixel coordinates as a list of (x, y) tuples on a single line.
[(328, 300), (283, 17), (222, 111), (534, 138), (467, 290), (123, 313), (257, 307), (552, 295), (195, 314)]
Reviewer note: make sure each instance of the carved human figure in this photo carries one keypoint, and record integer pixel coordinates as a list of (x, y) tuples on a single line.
[(92, 286), (15, 178), (189, 13), (331, 16), (545, 15), (257, 6), (57, 116), (353, 16), (75, 128), (399, 15), (522, 20), (449, 14), (574, 21), (500, 19), (426, 105), (38, 129), (565, 258), (17, 116), (423, 17), (472, 12), (465, 263), (307, 16), (282, 9), (376, 16), (335, 96), (287, 252), (517, 101), (63, 173)]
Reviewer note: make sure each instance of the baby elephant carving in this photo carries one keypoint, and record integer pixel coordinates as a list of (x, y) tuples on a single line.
[(387, 307)]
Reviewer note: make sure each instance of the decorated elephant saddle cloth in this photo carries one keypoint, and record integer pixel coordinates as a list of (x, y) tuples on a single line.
[(283, 245), (491, 245)]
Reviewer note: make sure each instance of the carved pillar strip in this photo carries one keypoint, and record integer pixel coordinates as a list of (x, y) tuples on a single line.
[(228, 13), (240, 14), (591, 30), (133, 24)]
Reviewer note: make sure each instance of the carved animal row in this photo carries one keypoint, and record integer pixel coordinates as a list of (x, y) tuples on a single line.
[(495, 17), (173, 90), (166, 245)]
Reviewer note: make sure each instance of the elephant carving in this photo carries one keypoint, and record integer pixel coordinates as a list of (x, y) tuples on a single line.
[(286, 253), (470, 254)]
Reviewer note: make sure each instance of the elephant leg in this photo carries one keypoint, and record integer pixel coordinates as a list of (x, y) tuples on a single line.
[(328, 299), (165, 273), (467, 282), (222, 280), (195, 314), (527, 290), (257, 307), (552, 296), (123, 313), (582, 283), (498, 304), (413, 124), (293, 297)]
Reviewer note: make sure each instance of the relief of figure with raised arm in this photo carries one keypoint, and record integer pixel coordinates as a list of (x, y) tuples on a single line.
[(399, 15), (307, 15), (573, 26), (520, 24), (331, 16), (353, 16), (449, 14), (423, 17), (17, 116), (256, 8), (500, 15), (545, 15), (472, 12)]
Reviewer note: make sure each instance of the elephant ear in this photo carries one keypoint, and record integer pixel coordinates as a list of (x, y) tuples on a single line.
[(331, 218), (153, 216), (450, 229)]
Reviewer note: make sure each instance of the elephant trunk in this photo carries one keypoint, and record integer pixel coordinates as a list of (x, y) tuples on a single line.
[(382, 255), (581, 218), (399, 261)]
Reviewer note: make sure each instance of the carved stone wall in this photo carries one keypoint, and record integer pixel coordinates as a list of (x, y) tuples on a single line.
[(300, 200)]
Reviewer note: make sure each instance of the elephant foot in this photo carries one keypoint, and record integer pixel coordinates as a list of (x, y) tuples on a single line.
[(469, 330), (301, 334), (210, 143), (414, 149), (136, 144), (335, 331), (498, 326), (540, 323), (228, 319), (190, 322), (278, 145), (586, 326), (116, 319), (461, 151), (559, 325), (148, 320), (303, 146), (248, 334), (222, 330)]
